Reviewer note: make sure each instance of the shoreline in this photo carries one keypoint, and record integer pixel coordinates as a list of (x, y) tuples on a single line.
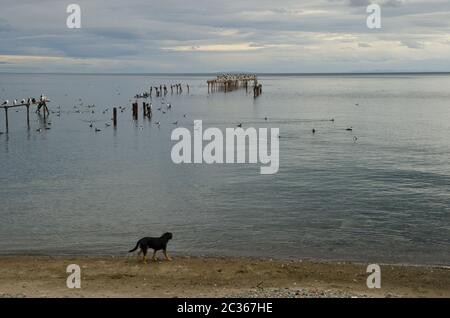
[(26, 254), (195, 276)]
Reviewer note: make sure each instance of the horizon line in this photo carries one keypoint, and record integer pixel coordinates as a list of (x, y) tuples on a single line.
[(243, 72)]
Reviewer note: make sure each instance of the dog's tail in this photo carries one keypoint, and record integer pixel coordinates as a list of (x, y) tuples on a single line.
[(135, 248)]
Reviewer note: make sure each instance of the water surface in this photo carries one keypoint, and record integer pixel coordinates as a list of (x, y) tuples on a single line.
[(383, 198)]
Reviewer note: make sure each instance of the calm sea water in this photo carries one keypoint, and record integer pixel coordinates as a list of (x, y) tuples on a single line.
[(384, 198)]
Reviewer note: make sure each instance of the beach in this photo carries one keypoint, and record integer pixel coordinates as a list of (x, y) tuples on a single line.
[(362, 177), (190, 277)]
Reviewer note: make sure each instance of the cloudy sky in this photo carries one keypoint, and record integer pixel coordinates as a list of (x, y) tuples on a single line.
[(149, 36)]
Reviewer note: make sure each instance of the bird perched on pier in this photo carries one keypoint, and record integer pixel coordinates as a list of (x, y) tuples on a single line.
[(22, 101), (5, 102), (15, 102)]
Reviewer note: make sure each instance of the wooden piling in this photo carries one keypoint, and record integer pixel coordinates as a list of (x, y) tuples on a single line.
[(28, 116), (115, 117), (135, 111), (6, 118)]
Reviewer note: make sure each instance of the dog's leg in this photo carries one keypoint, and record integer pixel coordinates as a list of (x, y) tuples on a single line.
[(139, 254), (154, 256), (145, 255), (167, 256)]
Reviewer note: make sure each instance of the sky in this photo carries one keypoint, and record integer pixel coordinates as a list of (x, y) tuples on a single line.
[(202, 36)]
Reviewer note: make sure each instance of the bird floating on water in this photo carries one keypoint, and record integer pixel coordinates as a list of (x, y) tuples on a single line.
[(350, 129)]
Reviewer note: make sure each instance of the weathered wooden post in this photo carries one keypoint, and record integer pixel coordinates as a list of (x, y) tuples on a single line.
[(6, 118), (135, 111), (28, 116), (115, 117), (144, 109)]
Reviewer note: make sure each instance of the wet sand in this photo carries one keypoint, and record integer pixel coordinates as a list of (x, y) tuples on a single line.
[(30, 276)]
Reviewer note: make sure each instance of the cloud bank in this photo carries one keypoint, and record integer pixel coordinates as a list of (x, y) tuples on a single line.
[(178, 36)]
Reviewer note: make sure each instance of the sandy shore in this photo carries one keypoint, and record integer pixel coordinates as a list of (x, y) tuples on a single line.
[(213, 277)]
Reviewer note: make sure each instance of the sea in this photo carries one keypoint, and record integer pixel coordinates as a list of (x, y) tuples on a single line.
[(379, 192)]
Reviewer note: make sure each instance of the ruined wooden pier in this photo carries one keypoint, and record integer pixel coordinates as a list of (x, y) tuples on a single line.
[(39, 104), (230, 82)]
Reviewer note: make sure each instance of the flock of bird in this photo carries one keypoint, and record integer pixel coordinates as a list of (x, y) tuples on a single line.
[(29, 101), (90, 108)]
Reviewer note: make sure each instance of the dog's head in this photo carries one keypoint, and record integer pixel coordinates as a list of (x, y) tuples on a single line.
[(167, 236)]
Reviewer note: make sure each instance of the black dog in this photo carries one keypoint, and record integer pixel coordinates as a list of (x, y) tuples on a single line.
[(155, 243)]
